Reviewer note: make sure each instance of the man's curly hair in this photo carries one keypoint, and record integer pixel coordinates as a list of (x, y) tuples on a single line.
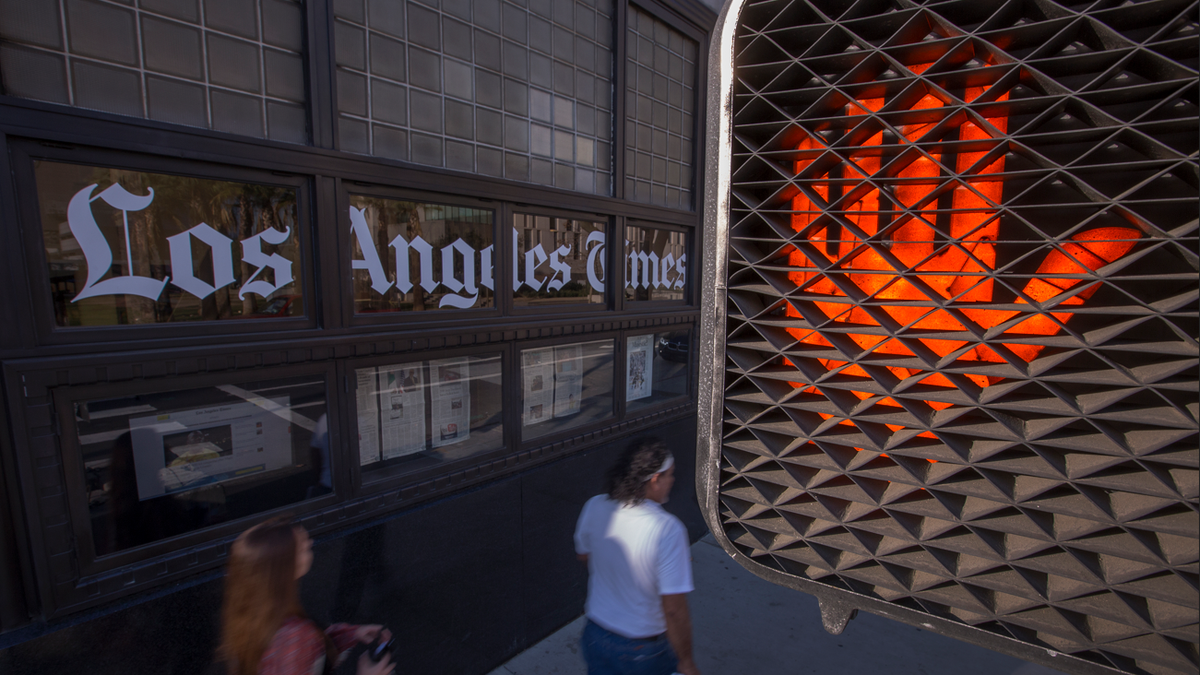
[(627, 478)]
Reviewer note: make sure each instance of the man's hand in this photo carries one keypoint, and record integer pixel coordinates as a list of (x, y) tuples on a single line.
[(679, 631)]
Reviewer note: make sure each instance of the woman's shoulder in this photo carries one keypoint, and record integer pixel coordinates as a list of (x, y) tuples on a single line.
[(295, 628), (297, 640)]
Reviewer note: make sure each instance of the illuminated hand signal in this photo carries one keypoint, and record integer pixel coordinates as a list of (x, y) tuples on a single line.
[(919, 262)]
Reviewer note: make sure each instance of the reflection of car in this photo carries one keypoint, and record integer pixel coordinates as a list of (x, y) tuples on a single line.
[(280, 305), (674, 346)]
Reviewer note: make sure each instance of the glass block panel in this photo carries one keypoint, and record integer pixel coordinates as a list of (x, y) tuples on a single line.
[(236, 67), (656, 368), (656, 263), (424, 414), (131, 248), (412, 257), (660, 96), (514, 81), (558, 261), (565, 386), (159, 465)]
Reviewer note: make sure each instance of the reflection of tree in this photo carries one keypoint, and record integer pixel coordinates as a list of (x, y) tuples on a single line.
[(650, 241), (387, 217)]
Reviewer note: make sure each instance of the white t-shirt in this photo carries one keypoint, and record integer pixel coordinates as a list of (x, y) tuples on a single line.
[(635, 555)]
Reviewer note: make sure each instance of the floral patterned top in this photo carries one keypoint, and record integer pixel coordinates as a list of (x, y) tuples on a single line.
[(299, 649)]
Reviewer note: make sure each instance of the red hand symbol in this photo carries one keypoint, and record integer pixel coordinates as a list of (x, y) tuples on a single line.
[(909, 280)]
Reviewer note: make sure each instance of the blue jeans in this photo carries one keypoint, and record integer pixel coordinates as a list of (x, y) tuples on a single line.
[(607, 653)]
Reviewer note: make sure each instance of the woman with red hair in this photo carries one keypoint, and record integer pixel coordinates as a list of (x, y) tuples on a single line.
[(264, 630)]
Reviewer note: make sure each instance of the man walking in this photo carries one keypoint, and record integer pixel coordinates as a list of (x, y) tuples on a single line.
[(639, 571)]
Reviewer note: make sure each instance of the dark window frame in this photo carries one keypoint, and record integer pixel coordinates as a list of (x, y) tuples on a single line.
[(27, 151)]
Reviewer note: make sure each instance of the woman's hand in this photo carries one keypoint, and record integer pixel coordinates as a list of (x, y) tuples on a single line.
[(366, 634), (368, 667)]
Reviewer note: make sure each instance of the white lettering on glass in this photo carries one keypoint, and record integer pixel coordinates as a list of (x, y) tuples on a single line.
[(464, 292), (181, 260), (98, 255), (252, 254), (595, 242), (370, 260), (647, 270), (96, 250)]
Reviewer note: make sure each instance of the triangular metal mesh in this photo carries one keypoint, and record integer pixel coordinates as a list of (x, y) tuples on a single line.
[(961, 334)]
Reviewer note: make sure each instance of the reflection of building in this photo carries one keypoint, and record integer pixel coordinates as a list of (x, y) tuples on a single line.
[(303, 213)]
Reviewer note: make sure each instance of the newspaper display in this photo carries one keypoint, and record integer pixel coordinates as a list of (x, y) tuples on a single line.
[(639, 367), (402, 409), (568, 379), (368, 416), (537, 367), (178, 451), (451, 397)]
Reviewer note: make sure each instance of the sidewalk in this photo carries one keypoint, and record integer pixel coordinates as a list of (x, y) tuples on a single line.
[(747, 626)]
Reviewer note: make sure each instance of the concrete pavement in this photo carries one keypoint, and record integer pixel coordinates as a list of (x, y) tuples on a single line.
[(744, 625)]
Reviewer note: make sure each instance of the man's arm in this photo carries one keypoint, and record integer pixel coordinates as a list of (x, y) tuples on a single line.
[(679, 631)]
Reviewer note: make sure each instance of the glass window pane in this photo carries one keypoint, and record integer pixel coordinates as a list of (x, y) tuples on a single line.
[(559, 261), (423, 414), (131, 247), (565, 386), (163, 61), (521, 91), (660, 87), (414, 256), (656, 368), (655, 264), (164, 464)]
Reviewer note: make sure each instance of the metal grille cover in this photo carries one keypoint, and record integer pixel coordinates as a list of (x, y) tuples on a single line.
[(953, 296)]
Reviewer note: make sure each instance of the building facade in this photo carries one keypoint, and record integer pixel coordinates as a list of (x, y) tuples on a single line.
[(411, 271)]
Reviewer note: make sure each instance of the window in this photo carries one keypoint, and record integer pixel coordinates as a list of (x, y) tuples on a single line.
[(130, 247), (558, 261), (656, 368), (415, 256), (565, 386), (655, 264), (425, 414), (158, 465)]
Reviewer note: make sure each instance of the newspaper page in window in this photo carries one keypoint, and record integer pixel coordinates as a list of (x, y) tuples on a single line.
[(639, 367), (537, 366), (451, 399), (368, 416), (568, 379), (402, 409)]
